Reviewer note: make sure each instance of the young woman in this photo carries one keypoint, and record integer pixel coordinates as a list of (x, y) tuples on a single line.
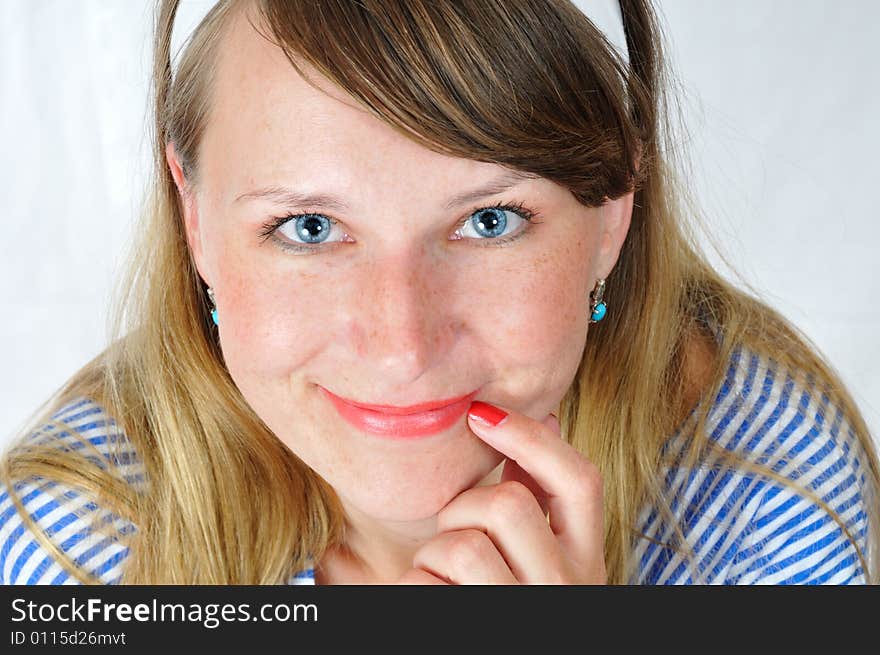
[(416, 300)]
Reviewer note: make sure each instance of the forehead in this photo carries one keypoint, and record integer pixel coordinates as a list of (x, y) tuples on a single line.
[(269, 125)]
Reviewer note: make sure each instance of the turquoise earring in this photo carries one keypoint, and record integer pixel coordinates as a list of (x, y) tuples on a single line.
[(213, 306), (597, 306)]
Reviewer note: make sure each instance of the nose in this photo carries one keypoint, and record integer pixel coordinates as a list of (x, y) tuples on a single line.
[(403, 320)]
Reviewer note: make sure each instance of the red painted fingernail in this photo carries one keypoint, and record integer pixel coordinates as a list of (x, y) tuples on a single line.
[(488, 414)]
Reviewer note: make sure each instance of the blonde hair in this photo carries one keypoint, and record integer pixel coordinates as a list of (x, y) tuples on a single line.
[(227, 502)]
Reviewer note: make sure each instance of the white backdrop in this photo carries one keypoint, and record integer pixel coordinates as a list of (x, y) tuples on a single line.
[(781, 104)]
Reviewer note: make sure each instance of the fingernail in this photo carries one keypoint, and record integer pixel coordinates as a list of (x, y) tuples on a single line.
[(486, 413)]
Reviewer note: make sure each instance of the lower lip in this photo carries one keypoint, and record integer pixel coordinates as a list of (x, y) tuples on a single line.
[(406, 426)]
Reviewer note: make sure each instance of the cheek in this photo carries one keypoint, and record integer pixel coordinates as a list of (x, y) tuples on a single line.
[(550, 310), (540, 318), (268, 326), (535, 330)]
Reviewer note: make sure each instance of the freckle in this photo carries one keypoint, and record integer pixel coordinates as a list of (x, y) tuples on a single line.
[(355, 336)]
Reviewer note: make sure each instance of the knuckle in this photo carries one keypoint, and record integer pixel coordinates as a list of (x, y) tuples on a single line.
[(589, 479), (510, 500), (467, 548)]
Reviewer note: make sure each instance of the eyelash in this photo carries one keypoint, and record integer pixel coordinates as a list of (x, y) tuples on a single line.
[(269, 228)]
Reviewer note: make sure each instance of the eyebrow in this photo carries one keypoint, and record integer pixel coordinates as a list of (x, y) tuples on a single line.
[(287, 196)]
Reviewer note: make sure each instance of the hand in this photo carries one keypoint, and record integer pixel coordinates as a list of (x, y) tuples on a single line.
[(500, 534)]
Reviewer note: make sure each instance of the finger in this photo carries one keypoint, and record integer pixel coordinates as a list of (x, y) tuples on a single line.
[(572, 483), (420, 577), (464, 557), (514, 472), (510, 516)]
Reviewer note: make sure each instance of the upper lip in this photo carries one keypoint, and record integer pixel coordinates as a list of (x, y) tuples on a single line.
[(398, 410)]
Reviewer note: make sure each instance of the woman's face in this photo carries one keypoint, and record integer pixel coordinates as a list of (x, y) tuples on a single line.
[(396, 301)]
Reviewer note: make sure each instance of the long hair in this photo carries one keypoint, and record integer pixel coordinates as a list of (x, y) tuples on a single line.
[(227, 502)]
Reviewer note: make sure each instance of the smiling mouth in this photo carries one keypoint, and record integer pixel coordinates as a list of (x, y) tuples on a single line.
[(409, 422)]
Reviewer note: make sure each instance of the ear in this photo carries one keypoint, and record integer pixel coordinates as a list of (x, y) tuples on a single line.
[(190, 208), (616, 217)]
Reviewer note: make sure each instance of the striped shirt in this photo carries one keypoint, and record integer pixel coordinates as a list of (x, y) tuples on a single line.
[(748, 529), (742, 528)]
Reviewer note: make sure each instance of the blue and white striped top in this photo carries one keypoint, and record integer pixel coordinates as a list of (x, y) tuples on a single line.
[(747, 529), (744, 529)]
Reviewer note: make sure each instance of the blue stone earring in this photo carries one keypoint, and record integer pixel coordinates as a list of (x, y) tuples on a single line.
[(597, 306), (213, 306)]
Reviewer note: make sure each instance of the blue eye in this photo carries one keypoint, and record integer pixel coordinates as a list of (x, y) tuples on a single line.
[(300, 232), (491, 222), (307, 232), (311, 228)]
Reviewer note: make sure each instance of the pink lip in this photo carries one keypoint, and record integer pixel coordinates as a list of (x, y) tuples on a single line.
[(402, 422)]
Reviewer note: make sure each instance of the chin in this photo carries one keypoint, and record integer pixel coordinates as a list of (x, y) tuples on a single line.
[(418, 493)]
